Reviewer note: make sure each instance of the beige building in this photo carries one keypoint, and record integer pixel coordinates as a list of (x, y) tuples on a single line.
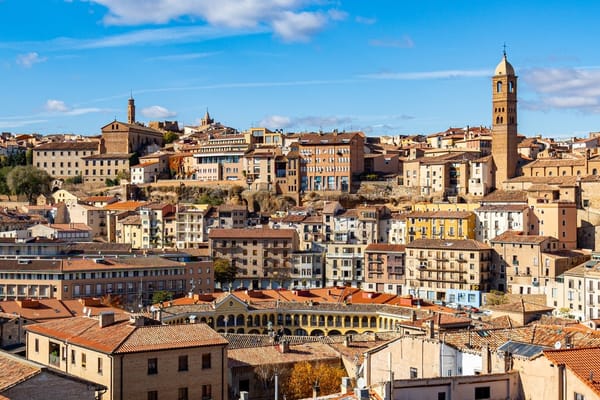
[(262, 256), (528, 264), (330, 161), (132, 359), (576, 292), (189, 225), (385, 268), (450, 270), (64, 159), (100, 167), (344, 264)]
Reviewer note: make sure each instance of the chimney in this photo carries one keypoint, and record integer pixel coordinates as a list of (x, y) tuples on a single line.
[(348, 340), (284, 346), (106, 318), (346, 384), (430, 331), (413, 315)]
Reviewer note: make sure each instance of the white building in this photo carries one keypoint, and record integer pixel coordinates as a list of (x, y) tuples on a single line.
[(495, 219), (144, 173)]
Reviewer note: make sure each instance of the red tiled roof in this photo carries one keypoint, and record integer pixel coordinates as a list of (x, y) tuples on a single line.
[(164, 337), (14, 370), (466, 244), (385, 247), (582, 362)]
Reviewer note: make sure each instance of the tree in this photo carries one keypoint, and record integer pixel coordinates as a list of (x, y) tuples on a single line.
[(28, 180), (161, 295), (4, 189), (170, 137), (305, 375), (224, 271)]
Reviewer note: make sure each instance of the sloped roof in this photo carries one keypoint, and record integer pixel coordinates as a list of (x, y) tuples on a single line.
[(582, 362)]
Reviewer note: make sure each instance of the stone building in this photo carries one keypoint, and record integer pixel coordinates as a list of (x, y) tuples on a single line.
[(64, 159), (385, 268)]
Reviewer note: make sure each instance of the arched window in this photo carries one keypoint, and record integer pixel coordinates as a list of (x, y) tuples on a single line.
[(594, 171), (499, 87), (511, 86)]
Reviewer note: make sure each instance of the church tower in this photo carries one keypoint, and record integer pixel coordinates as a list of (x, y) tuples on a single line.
[(131, 110), (504, 122)]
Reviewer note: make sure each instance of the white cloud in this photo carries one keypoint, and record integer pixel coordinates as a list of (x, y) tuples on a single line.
[(563, 88), (298, 27), (11, 123), (309, 122), (405, 42), (430, 74), (29, 59), (276, 122), (157, 112), (287, 18), (55, 106)]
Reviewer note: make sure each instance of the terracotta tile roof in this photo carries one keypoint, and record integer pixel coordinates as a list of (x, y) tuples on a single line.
[(312, 351), (68, 146), (518, 237), (506, 196), (131, 220), (14, 370), (165, 337), (313, 219), (466, 244), (556, 162), (521, 307), (95, 199), (242, 341), (311, 139), (582, 362), (125, 205), (385, 247), (36, 310), (87, 332), (70, 227), (259, 233)]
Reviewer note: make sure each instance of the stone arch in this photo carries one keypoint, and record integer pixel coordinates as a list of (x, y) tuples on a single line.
[(317, 332)]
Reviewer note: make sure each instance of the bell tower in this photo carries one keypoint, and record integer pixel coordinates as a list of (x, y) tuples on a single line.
[(131, 110), (504, 122)]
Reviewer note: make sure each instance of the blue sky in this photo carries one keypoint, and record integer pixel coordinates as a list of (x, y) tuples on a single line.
[(383, 66)]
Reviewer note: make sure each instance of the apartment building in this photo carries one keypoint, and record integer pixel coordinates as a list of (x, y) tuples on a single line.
[(134, 359), (308, 269), (397, 232), (226, 216), (64, 159), (134, 279), (454, 225), (526, 264), (577, 292), (495, 219), (146, 172), (262, 256), (385, 268), (482, 176), (189, 225), (344, 264), (456, 271), (221, 158), (98, 168), (158, 225), (329, 161)]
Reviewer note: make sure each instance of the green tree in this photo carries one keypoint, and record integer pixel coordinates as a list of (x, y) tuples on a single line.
[(28, 180), (161, 295), (29, 157), (224, 271), (170, 137), (4, 189)]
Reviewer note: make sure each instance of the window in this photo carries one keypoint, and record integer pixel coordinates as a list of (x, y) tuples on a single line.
[(37, 345), (182, 394), (99, 366), (153, 395), (482, 392), (73, 357), (83, 360), (413, 373), (152, 366), (206, 392), (206, 361), (183, 363)]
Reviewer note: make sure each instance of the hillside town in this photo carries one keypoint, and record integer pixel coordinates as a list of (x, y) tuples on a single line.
[(159, 261)]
